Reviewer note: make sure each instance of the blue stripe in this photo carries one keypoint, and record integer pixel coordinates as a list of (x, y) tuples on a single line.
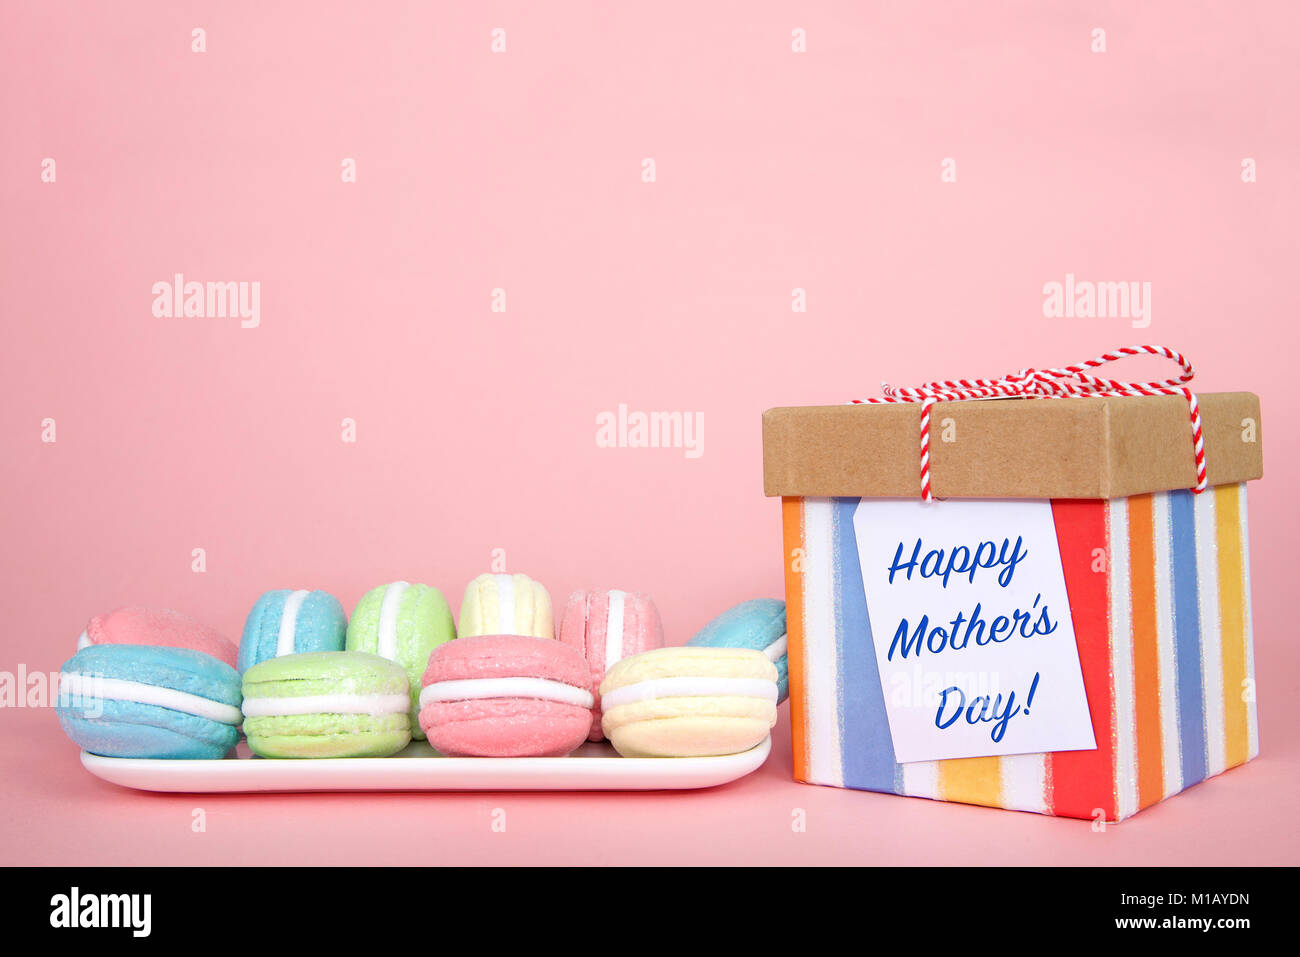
[(1187, 638), (866, 749)]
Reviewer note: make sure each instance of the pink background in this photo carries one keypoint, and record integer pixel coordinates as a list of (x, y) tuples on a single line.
[(475, 429)]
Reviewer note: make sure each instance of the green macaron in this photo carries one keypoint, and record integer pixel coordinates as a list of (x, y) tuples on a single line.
[(403, 623), (327, 704)]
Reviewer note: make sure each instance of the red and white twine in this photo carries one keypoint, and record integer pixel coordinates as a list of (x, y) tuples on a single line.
[(1076, 381)]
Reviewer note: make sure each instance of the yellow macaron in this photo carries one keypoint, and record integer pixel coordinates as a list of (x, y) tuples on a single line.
[(506, 605), (689, 702)]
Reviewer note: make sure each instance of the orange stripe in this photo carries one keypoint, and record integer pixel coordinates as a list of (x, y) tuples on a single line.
[(1232, 613), (795, 556), (1146, 661)]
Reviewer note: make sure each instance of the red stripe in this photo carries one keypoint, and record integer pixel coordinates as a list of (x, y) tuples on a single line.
[(1084, 781)]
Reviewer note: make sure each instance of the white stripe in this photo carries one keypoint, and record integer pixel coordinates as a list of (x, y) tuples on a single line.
[(284, 644), (83, 641), (777, 649), (95, 688), (1024, 778), (614, 629), (1122, 657), (473, 689), (1211, 621), (388, 609), (1166, 655), (821, 677), (1252, 717), (687, 686), (505, 606), (921, 779), (278, 707)]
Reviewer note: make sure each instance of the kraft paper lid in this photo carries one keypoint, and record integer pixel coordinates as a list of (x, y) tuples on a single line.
[(1107, 447)]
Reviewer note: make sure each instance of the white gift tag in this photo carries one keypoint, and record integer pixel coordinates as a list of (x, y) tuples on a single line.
[(972, 629)]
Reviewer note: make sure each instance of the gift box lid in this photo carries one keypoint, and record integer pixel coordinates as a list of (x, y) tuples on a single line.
[(1088, 447)]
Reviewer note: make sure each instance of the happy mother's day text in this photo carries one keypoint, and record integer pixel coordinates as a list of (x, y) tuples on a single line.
[(986, 562)]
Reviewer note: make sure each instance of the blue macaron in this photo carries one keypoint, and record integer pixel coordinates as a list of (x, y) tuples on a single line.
[(149, 701), (286, 622), (757, 624)]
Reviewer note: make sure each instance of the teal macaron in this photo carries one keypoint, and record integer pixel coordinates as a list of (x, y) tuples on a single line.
[(327, 704), (403, 623), (149, 701), (757, 624), (286, 622)]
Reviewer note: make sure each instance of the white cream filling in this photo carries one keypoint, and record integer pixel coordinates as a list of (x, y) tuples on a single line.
[(95, 687), (388, 610), (690, 687), (505, 604), (83, 641), (275, 707), (288, 621), (614, 629), (472, 689), (776, 649)]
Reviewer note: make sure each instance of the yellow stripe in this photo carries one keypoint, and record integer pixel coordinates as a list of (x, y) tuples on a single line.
[(1232, 614), (971, 781)]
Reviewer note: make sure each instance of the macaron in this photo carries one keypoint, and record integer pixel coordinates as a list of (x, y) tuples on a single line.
[(757, 624), (149, 701), (608, 626), (688, 702), (403, 623), (285, 622), (506, 605), (157, 626), (506, 696), (327, 704)]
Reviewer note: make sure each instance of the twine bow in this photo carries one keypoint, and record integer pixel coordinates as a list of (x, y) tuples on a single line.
[(1076, 381)]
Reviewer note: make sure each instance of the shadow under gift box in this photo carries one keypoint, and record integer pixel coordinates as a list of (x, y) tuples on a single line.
[(1163, 625)]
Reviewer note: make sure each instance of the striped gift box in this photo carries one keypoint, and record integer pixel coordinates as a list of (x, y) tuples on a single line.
[(1159, 588)]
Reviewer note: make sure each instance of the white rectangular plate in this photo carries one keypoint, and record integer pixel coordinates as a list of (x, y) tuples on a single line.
[(593, 767)]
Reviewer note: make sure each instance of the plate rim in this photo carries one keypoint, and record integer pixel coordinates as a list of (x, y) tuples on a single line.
[(417, 773)]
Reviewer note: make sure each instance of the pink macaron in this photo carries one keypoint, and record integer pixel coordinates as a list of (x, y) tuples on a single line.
[(608, 626), (157, 626), (506, 696)]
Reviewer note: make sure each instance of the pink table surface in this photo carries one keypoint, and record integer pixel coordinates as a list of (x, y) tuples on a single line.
[(521, 171), (55, 812)]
